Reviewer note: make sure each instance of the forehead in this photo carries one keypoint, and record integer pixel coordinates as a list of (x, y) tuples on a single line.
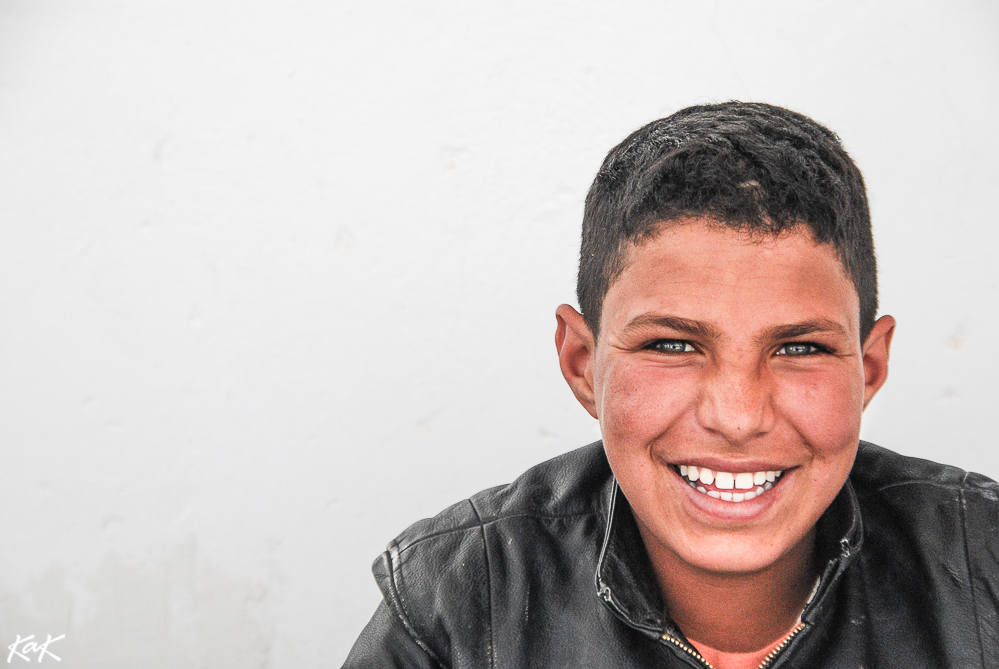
[(738, 280)]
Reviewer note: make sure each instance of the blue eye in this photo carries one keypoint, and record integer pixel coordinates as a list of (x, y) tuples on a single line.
[(798, 348), (672, 346)]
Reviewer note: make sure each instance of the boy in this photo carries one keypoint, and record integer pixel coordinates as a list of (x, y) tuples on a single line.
[(728, 345)]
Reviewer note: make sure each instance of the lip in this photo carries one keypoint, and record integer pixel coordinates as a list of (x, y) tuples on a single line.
[(734, 466), (739, 512)]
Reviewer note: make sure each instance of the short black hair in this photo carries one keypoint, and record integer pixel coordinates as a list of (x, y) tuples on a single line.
[(746, 165)]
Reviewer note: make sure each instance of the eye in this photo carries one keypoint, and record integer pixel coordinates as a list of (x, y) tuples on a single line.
[(799, 348), (671, 346)]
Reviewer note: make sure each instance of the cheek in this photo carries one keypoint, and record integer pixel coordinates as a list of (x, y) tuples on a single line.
[(639, 402), (825, 409)]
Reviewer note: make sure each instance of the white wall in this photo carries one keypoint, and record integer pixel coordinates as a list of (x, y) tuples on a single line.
[(277, 278)]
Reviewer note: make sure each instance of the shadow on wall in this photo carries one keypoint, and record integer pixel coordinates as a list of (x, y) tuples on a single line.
[(177, 610)]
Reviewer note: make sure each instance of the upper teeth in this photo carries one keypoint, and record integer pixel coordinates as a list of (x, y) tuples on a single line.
[(728, 480)]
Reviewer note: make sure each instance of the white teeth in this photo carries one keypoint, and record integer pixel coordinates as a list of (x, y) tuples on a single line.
[(724, 481), (754, 483)]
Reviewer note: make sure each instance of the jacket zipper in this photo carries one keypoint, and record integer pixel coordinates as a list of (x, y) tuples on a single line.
[(776, 651), (690, 651), (767, 661)]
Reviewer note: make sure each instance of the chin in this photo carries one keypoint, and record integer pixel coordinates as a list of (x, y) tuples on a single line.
[(737, 558), (725, 552)]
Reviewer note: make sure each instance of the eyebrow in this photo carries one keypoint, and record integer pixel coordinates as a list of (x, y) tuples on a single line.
[(682, 325), (803, 328), (707, 331)]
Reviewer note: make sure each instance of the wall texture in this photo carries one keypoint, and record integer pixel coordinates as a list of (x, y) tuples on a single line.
[(278, 278)]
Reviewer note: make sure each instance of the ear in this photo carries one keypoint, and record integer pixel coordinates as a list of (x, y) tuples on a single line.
[(576, 348), (876, 350)]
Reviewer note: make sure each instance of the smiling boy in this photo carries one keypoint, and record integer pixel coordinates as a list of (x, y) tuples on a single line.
[(729, 517)]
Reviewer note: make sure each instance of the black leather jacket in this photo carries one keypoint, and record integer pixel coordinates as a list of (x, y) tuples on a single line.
[(550, 571)]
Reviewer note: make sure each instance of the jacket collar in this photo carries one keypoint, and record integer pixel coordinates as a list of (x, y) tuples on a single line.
[(626, 581)]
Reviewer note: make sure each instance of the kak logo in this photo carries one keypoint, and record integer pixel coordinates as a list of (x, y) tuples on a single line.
[(27, 646)]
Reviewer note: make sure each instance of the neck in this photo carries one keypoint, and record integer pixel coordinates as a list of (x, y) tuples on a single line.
[(735, 612)]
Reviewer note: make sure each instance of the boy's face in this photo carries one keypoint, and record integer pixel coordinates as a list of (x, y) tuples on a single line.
[(737, 354)]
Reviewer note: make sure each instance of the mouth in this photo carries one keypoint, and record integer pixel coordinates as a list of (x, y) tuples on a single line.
[(732, 487)]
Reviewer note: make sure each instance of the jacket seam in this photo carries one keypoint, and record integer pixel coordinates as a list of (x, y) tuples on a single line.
[(971, 578), (480, 523), (958, 486), (489, 581), (404, 616)]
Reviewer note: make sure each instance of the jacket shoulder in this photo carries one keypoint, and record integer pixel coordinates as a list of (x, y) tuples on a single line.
[(878, 469), (562, 486), (921, 494), (931, 533), (435, 576)]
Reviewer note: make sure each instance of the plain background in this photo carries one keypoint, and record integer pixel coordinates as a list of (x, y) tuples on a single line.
[(277, 279)]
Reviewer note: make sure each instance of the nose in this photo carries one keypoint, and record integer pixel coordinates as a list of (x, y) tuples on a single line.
[(736, 402)]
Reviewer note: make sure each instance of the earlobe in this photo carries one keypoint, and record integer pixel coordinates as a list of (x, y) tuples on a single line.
[(576, 347), (876, 350)]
